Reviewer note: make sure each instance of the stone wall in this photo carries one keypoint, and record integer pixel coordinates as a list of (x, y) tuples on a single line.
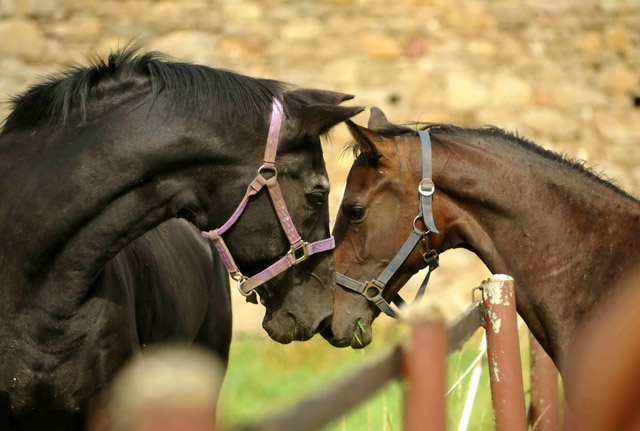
[(564, 73)]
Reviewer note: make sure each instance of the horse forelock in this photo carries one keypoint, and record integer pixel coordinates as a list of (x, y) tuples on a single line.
[(190, 89)]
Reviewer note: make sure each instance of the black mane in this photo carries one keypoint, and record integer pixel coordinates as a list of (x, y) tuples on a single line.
[(190, 89)]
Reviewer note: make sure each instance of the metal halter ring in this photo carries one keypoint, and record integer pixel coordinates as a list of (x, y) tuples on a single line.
[(415, 228), (263, 168), (426, 187), (372, 285), (239, 278)]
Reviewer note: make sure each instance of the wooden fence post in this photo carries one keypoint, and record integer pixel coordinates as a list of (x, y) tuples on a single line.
[(503, 353), (544, 389)]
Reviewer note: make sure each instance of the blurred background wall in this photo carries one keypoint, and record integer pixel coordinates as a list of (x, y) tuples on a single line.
[(564, 73)]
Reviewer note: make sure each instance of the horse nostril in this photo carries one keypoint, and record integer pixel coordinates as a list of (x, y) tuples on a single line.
[(290, 316)]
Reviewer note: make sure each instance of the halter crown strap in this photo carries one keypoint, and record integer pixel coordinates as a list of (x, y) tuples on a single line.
[(426, 187), (271, 147)]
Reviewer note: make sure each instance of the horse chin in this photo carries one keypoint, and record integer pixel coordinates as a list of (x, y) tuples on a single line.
[(351, 337), (285, 329)]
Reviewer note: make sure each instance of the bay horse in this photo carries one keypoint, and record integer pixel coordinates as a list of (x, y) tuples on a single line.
[(602, 382), (563, 233), (96, 164)]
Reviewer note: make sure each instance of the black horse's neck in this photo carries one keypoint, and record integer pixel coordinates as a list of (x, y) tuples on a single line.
[(102, 186), (96, 156), (565, 235)]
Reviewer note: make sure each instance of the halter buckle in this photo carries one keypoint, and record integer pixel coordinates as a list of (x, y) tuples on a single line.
[(299, 253), (371, 289), (426, 187)]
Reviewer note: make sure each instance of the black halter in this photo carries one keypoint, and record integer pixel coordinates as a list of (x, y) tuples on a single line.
[(373, 289)]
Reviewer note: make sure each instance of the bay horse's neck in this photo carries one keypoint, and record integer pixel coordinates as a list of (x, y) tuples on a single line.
[(563, 234), (111, 181)]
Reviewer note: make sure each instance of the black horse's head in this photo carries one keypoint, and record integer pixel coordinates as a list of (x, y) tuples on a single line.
[(99, 157), (138, 139), (298, 301)]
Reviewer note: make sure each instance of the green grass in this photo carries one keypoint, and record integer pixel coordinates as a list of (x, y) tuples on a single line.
[(264, 375)]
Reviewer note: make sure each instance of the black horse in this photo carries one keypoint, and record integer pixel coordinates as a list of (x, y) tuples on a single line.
[(95, 165)]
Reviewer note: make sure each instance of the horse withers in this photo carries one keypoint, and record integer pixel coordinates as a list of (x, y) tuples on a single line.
[(95, 164), (565, 234)]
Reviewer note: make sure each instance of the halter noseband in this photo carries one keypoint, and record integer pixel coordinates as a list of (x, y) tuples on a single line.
[(300, 250), (373, 289)]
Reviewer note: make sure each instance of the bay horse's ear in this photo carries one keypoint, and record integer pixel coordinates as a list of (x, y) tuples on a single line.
[(378, 121), (365, 140)]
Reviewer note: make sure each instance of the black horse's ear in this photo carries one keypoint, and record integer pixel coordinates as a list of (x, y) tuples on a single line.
[(378, 121), (318, 119), (314, 96), (365, 140)]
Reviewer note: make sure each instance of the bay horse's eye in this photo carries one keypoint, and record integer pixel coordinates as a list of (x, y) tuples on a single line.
[(355, 213), (316, 199)]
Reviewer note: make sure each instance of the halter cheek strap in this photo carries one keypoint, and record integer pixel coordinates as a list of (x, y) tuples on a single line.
[(373, 290), (300, 250)]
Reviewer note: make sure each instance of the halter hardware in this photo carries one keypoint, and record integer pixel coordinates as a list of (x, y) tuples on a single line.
[(295, 252), (417, 230), (263, 168), (239, 279), (426, 187), (430, 257), (373, 289)]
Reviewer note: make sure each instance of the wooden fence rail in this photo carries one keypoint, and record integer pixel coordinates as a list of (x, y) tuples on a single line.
[(498, 305), (324, 406)]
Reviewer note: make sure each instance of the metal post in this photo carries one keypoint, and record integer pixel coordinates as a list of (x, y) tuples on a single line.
[(503, 348), (424, 368), (544, 389)]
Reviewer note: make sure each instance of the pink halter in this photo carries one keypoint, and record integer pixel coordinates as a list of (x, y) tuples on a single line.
[(300, 250)]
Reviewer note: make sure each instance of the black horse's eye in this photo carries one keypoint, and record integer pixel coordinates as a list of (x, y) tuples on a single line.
[(316, 199), (355, 213)]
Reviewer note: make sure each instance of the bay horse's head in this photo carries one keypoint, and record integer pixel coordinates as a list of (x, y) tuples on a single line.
[(377, 216)]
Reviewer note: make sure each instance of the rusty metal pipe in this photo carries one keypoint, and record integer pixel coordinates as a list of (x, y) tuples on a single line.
[(503, 353), (424, 368)]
